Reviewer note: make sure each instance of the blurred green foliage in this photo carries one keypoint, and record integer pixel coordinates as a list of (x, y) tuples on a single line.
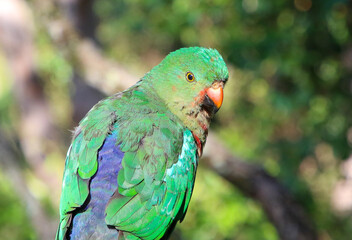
[(13, 221), (287, 104)]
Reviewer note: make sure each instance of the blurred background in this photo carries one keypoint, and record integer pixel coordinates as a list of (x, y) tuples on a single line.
[(284, 133)]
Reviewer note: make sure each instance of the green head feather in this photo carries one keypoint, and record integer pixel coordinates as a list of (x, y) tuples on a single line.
[(169, 78), (182, 95)]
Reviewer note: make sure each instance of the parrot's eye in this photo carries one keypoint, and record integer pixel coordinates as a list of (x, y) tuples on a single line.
[(190, 77)]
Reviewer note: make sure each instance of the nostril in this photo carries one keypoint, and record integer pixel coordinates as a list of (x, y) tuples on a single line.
[(218, 83)]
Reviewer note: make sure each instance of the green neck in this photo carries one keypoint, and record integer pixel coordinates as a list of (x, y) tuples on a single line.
[(191, 114)]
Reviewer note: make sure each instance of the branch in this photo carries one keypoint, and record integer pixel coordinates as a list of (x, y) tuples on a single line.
[(287, 216), (81, 50)]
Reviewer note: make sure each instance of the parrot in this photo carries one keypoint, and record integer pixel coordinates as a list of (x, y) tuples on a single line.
[(131, 167)]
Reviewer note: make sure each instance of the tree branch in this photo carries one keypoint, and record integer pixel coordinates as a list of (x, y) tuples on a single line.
[(286, 215)]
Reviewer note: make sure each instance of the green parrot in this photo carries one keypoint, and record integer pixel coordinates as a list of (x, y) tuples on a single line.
[(131, 167)]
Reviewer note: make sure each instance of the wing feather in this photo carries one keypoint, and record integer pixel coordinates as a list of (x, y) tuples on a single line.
[(160, 197), (81, 161)]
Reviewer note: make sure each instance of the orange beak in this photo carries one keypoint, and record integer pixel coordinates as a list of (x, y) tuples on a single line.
[(216, 95)]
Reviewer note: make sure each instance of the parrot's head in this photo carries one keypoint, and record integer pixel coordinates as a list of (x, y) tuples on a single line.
[(190, 81)]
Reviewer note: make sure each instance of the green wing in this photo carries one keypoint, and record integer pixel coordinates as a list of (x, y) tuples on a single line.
[(81, 160), (155, 184)]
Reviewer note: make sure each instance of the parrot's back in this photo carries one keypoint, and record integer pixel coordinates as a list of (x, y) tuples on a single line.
[(102, 186)]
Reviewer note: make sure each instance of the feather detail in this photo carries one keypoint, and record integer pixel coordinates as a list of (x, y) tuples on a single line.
[(157, 203)]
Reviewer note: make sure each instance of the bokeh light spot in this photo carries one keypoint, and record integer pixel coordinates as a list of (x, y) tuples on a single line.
[(250, 6), (303, 5)]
